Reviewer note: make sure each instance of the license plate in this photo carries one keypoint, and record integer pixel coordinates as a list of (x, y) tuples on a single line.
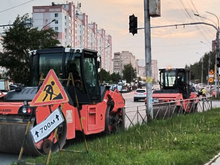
[(156, 100)]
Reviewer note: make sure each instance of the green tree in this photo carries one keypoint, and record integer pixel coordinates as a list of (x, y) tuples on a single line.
[(129, 73), (104, 76), (196, 68), (17, 41), (115, 77)]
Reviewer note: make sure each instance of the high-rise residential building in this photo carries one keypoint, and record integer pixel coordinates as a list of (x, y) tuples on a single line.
[(74, 29), (142, 70), (121, 59), (155, 70), (125, 57)]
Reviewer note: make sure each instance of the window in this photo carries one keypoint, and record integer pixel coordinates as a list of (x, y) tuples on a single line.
[(56, 28), (56, 14), (170, 77), (48, 61), (56, 22), (91, 76), (73, 65)]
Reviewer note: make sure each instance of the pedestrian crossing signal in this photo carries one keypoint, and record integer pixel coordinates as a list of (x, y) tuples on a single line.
[(50, 92)]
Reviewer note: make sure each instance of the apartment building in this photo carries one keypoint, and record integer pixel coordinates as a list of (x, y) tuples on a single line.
[(142, 70), (74, 29), (123, 58)]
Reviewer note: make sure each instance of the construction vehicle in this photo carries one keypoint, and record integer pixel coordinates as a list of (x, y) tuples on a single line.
[(175, 88), (101, 109)]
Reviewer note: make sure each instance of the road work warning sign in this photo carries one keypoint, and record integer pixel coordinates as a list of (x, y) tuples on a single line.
[(44, 128), (50, 92)]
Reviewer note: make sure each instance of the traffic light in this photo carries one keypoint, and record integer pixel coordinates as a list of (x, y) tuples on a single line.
[(218, 61), (132, 24)]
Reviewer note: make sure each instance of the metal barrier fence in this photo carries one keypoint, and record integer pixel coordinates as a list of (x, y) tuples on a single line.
[(137, 114)]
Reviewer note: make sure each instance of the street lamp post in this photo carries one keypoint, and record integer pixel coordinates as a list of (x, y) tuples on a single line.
[(217, 51), (217, 55), (43, 29), (208, 63), (100, 58), (215, 17), (48, 24), (205, 18), (202, 72), (201, 69), (100, 55)]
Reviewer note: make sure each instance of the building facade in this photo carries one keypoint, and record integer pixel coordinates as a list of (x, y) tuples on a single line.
[(74, 29), (142, 70), (123, 58)]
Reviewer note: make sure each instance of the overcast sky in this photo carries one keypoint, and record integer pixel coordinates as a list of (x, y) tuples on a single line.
[(171, 46)]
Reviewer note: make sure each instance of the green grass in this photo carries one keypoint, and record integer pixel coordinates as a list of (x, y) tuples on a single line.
[(217, 98), (191, 139)]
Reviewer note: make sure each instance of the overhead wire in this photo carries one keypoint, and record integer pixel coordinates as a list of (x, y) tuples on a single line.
[(181, 8), (189, 16), (204, 27), (185, 9), (193, 21), (9, 2), (16, 6)]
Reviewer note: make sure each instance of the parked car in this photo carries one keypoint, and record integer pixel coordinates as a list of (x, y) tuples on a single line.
[(113, 87), (193, 89), (139, 94)]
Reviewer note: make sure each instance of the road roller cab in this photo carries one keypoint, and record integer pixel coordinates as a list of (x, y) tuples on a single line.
[(101, 109), (175, 87)]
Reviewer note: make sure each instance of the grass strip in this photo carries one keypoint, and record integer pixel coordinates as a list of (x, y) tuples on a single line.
[(191, 139)]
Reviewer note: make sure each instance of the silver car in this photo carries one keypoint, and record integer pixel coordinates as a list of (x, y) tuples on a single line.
[(139, 94)]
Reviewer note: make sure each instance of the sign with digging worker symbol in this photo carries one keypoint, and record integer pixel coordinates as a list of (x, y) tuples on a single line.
[(50, 92)]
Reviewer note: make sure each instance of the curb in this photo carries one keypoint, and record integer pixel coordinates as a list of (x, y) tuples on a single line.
[(213, 159)]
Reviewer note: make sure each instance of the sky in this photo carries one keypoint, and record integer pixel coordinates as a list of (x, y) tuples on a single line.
[(172, 46)]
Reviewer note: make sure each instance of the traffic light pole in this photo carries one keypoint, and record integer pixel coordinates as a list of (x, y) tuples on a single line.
[(148, 69), (216, 66)]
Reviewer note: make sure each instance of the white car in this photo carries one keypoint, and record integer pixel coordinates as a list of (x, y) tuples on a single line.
[(139, 94)]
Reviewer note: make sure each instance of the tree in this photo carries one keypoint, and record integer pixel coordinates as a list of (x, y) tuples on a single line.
[(115, 77), (104, 76), (196, 68), (129, 73), (17, 41)]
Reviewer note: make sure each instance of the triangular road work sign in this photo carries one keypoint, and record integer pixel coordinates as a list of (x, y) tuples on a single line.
[(50, 92)]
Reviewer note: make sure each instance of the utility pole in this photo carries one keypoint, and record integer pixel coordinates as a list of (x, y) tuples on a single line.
[(208, 61), (151, 9), (201, 60), (202, 72), (148, 69), (100, 55)]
